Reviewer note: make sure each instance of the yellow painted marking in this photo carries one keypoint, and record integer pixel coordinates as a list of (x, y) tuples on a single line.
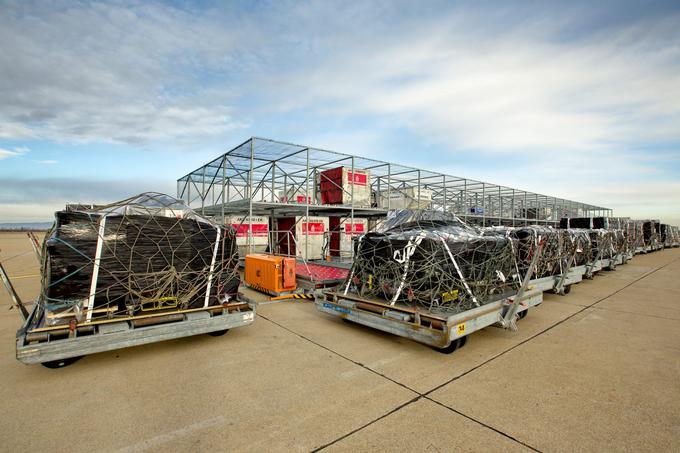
[(451, 295), (460, 329)]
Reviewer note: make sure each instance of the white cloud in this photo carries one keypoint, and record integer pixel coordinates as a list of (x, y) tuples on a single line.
[(5, 153), (79, 72), (517, 89), (47, 162), (580, 116), (568, 103)]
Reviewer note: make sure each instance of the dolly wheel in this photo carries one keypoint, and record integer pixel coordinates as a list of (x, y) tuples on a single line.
[(567, 289), (218, 333), (523, 314), (450, 348), (462, 341), (61, 363)]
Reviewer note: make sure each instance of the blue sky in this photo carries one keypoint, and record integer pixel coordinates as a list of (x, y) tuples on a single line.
[(581, 100)]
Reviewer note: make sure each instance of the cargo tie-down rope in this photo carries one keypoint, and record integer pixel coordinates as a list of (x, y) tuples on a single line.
[(434, 261), (148, 252)]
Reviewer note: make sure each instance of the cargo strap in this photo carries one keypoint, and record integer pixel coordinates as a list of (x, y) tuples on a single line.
[(212, 268), (405, 257), (95, 269), (460, 274)]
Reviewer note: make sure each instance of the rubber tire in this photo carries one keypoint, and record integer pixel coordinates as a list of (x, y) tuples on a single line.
[(218, 333), (523, 314), (567, 289), (450, 348), (462, 341), (54, 364)]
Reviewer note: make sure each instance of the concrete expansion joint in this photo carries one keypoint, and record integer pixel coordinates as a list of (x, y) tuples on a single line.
[(418, 396), (426, 395), (496, 430)]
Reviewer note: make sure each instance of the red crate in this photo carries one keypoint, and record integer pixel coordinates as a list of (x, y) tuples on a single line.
[(332, 183)]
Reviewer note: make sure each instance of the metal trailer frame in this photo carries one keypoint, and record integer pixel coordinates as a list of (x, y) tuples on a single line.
[(423, 327), (443, 332), (108, 335), (246, 181), (559, 284)]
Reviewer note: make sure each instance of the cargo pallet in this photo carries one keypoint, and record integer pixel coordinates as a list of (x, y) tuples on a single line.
[(58, 346), (441, 331), (559, 284), (445, 333)]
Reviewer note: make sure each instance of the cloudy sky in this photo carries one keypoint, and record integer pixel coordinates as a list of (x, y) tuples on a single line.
[(581, 100)]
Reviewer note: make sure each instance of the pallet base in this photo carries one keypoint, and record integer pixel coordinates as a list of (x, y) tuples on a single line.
[(123, 334), (434, 330)]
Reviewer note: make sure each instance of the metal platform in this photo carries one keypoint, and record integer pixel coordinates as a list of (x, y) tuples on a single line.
[(443, 331), (556, 283), (249, 179), (431, 329), (276, 209), (49, 344)]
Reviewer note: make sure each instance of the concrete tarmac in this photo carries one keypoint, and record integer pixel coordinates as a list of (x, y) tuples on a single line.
[(596, 370)]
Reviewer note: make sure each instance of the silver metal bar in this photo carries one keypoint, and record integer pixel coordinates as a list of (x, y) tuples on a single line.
[(250, 199), (509, 321), (559, 287), (95, 269), (125, 336), (16, 300)]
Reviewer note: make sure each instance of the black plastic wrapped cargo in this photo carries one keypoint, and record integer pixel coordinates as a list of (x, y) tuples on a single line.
[(433, 260), (147, 253)]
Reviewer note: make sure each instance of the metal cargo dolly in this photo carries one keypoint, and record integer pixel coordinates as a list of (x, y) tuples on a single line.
[(644, 249), (58, 346), (561, 283), (445, 333)]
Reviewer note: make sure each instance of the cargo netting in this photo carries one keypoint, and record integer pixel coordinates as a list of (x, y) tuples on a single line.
[(433, 261), (148, 253), (526, 240)]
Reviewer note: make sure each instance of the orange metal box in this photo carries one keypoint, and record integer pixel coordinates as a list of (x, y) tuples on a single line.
[(270, 273)]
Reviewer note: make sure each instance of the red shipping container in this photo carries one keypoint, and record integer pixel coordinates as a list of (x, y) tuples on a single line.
[(341, 233), (337, 184), (291, 229)]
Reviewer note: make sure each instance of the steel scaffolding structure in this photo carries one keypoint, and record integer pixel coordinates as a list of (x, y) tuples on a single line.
[(249, 179)]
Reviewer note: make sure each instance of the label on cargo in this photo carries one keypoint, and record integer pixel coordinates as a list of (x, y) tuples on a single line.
[(460, 329), (358, 228), (450, 296), (313, 228), (359, 179), (259, 229)]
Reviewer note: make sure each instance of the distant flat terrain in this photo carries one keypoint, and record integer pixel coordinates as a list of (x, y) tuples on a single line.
[(25, 226)]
